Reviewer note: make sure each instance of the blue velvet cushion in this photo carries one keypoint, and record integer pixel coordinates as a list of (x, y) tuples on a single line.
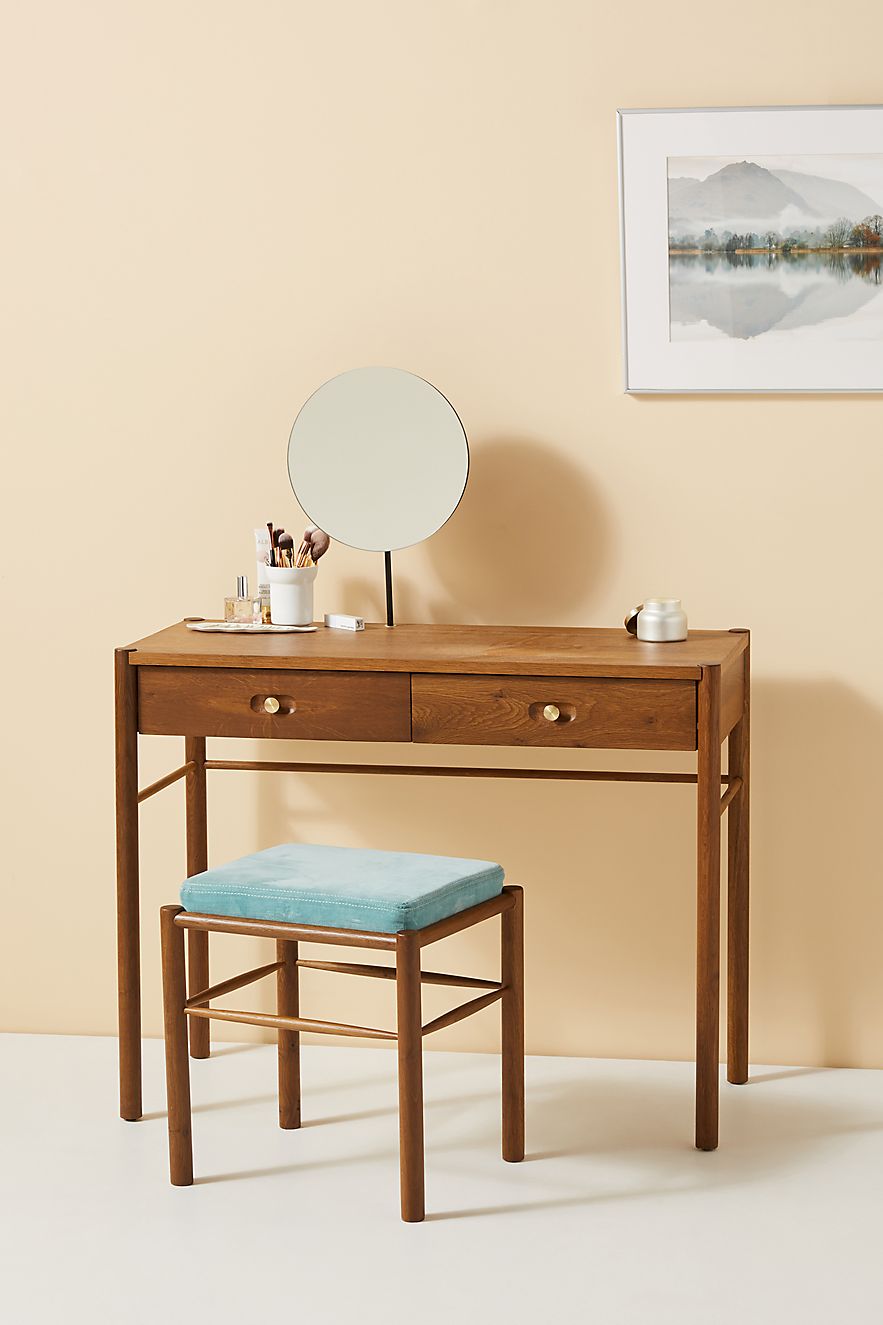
[(343, 887)]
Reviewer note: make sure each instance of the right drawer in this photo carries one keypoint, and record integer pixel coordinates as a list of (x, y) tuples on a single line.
[(604, 713)]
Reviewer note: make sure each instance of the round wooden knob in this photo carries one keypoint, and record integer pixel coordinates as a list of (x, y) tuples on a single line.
[(551, 713), (271, 704)]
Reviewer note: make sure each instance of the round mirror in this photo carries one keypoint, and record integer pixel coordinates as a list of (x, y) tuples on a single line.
[(378, 458)]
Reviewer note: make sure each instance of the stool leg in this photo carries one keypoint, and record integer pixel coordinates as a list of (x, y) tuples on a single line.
[(512, 1005), (177, 1062), (288, 1005), (410, 1050), (197, 960)]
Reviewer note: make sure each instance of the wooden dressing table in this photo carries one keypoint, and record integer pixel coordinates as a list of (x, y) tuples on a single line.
[(438, 685)]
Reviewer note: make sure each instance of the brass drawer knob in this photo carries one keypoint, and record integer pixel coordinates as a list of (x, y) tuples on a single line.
[(271, 704), (551, 713)]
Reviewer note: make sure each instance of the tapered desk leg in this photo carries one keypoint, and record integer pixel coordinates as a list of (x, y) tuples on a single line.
[(197, 861), (128, 922), (738, 763), (708, 911)]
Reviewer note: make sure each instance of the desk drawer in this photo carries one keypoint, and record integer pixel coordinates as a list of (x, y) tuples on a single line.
[(609, 714), (312, 706)]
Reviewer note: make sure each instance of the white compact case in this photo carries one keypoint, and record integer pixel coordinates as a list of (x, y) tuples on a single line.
[(343, 621), (662, 620)]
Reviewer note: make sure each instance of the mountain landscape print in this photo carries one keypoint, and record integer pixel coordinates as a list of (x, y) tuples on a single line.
[(771, 246)]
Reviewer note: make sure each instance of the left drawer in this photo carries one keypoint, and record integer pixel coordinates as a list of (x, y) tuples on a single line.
[(291, 704)]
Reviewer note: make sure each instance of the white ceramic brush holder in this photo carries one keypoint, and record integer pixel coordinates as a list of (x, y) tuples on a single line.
[(291, 595)]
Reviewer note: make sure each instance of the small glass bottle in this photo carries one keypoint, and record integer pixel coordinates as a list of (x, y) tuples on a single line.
[(243, 609)]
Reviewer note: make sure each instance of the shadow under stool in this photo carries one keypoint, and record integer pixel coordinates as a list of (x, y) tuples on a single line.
[(396, 902)]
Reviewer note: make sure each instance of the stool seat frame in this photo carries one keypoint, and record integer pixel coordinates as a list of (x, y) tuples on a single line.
[(407, 945)]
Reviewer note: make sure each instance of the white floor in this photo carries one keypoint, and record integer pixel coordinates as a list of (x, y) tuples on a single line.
[(612, 1218)]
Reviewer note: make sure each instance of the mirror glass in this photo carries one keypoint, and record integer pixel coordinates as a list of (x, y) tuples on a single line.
[(378, 458)]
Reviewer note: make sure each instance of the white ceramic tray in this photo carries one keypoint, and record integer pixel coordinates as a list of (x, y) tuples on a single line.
[(245, 628)]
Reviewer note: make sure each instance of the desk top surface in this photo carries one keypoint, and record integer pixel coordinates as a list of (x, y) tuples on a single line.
[(476, 650)]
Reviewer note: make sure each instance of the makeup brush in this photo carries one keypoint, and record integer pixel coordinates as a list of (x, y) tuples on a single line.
[(317, 541), (286, 549)]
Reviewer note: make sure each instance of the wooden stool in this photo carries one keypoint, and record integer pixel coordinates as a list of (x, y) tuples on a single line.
[(265, 894)]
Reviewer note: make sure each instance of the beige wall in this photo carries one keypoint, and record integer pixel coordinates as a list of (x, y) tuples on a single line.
[(212, 207)]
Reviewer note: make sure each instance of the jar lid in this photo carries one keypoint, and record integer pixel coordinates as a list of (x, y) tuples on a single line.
[(631, 619)]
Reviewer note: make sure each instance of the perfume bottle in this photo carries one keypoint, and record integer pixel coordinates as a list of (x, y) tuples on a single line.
[(243, 609)]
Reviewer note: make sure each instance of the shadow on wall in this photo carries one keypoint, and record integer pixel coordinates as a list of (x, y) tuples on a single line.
[(817, 923), (617, 978), (528, 543)]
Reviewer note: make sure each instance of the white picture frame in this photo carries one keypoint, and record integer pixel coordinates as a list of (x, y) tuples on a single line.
[(778, 309)]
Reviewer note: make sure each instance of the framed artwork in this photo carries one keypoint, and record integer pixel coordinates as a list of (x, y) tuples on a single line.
[(752, 249)]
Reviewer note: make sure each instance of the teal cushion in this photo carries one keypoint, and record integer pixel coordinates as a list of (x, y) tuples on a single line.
[(343, 887)]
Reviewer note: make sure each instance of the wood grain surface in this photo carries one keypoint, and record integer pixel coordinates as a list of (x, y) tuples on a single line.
[(494, 650), (604, 714), (313, 706)]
